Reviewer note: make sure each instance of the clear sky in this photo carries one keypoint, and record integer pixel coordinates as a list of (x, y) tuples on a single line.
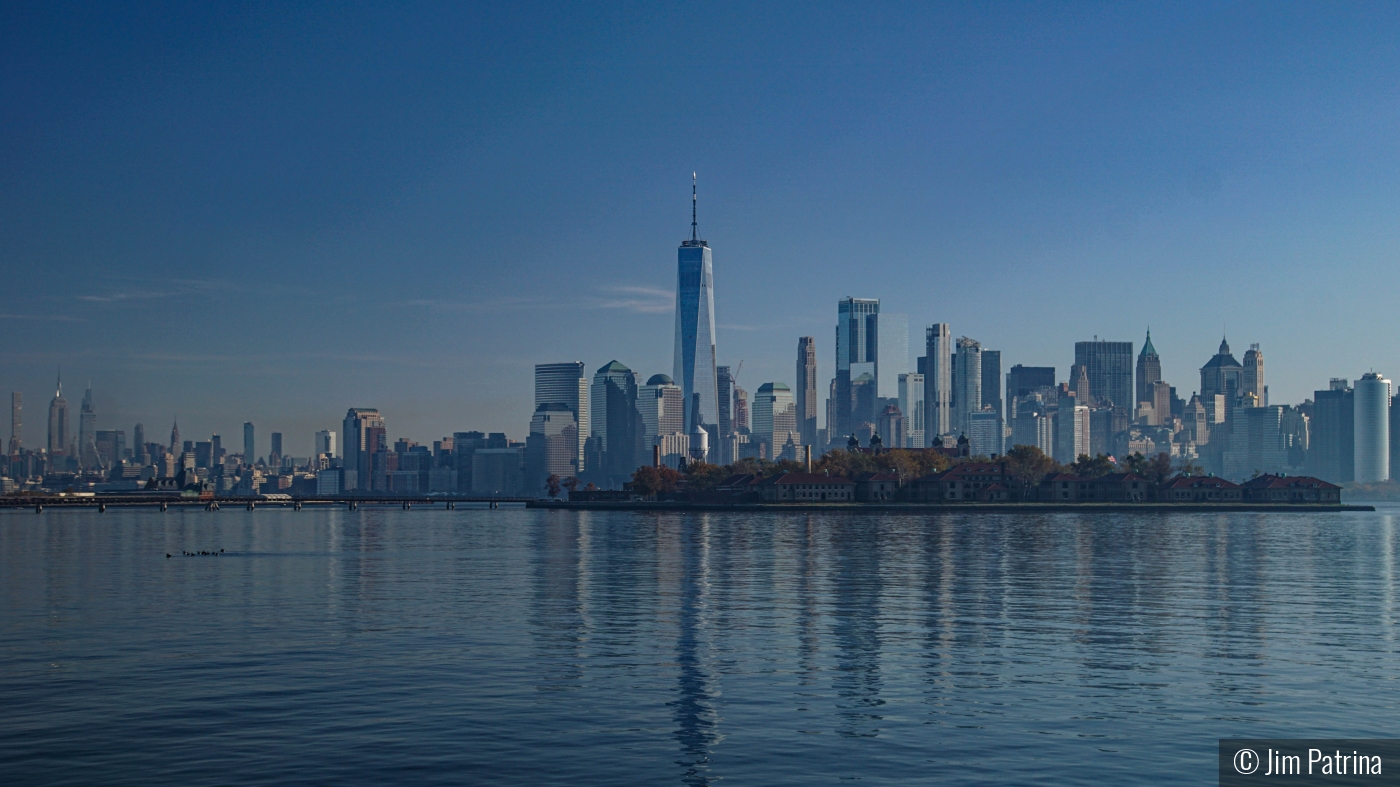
[(273, 212)]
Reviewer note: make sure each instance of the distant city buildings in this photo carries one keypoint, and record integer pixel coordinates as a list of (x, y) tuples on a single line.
[(806, 392)]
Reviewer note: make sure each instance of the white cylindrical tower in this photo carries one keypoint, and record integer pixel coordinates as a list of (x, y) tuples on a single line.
[(1372, 421)]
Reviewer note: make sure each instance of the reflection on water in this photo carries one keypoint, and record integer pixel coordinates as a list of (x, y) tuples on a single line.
[(530, 647)]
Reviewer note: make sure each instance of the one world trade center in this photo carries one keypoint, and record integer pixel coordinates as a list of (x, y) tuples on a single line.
[(695, 328)]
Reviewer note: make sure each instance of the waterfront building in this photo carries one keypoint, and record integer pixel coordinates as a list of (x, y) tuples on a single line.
[(617, 425), (911, 405), (1257, 443), (552, 447), (694, 364), (566, 384), (497, 471), (1109, 368), (806, 393), (1371, 442), (1149, 371), (938, 382), (1332, 443), (662, 409), (774, 417), (967, 375), (464, 447), (363, 428), (58, 424)]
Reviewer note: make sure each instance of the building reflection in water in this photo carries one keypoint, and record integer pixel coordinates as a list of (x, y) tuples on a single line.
[(855, 586), (694, 708)]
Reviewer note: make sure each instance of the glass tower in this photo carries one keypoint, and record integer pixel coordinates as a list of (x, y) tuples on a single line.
[(695, 327)]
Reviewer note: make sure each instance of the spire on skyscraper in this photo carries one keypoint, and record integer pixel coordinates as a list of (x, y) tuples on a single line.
[(694, 200)]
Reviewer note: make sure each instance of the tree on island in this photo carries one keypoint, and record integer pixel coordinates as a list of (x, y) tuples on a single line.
[(1027, 465), (1099, 466), (551, 485), (1157, 469), (571, 483), (648, 480)]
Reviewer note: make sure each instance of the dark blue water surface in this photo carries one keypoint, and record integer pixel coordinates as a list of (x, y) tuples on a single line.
[(584, 648)]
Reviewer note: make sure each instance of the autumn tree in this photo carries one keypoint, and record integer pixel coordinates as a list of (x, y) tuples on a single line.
[(571, 483), (650, 480), (704, 476), (551, 485), (1027, 465), (1159, 468), (1097, 467)]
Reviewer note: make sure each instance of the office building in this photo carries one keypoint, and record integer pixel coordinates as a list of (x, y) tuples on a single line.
[(274, 458), (1223, 376), (662, 408), (617, 425), (110, 447), (694, 366), (891, 353), (775, 417), (497, 471), (1149, 371), (741, 410), (464, 447), (890, 426), (250, 448), (1257, 445), (857, 348), (1109, 367), (911, 405), (16, 427), (552, 447), (1252, 380), (87, 433), (967, 376), (1072, 431), (58, 425), (363, 429), (724, 382), (566, 384), (938, 382), (1371, 443), (991, 382), (1022, 380), (806, 393), (1332, 442), (324, 444), (984, 432)]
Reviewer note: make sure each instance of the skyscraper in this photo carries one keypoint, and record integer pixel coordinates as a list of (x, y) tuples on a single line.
[(87, 433), (938, 382), (1223, 375), (174, 437), (357, 464), (1252, 380), (967, 398), (616, 424), (857, 334), (1109, 366), (325, 443), (724, 382), (991, 383), (58, 422), (1332, 438), (1372, 427), (16, 428), (1149, 371), (891, 353), (250, 448), (552, 447), (1071, 431), (775, 417), (741, 410), (694, 365), (274, 457), (911, 404), (1022, 380), (566, 384), (807, 389)]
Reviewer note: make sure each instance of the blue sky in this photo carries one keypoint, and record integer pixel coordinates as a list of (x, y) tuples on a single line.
[(273, 212)]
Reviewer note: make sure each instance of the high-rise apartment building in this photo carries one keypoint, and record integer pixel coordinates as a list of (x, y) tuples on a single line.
[(1371, 443), (250, 446), (775, 417), (1252, 380), (1149, 371), (741, 410), (363, 428), (1109, 366), (694, 365), (911, 406), (807, 389), (566, 384), (967, 396), (617, 425), (58, 422), (938, 382)]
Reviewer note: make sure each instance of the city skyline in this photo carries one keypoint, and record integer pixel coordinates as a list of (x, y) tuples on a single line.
[(277, 246)]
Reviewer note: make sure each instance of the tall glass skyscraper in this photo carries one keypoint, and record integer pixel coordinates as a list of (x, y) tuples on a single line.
[(695, 327)]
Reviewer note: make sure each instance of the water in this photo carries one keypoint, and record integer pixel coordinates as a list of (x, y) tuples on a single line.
[(520, 647)]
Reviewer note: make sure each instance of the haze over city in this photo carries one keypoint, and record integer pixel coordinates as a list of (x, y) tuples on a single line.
[(272, 214)]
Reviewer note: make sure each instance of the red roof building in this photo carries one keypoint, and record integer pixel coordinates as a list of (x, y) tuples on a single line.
[(806, 488), (1290, 489), (1201, 489)]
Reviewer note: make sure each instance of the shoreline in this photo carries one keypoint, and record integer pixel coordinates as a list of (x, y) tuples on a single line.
[(987, 508)]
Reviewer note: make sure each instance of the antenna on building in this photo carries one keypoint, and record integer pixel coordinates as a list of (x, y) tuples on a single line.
[(694, 198)]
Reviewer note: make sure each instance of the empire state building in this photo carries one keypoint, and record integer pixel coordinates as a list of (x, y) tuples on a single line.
[(695, 327)]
